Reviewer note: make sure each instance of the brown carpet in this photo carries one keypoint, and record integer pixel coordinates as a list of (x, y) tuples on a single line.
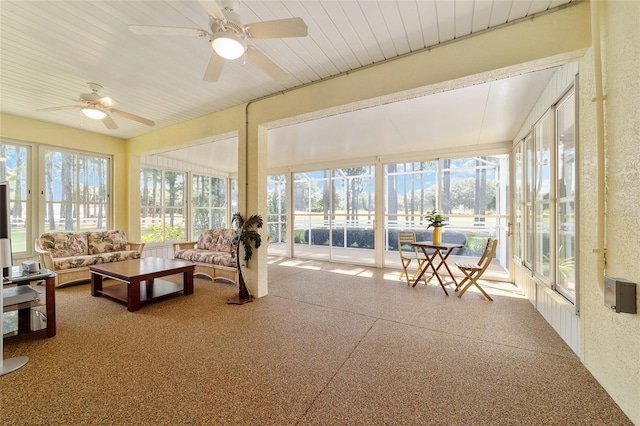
[(331, 344)]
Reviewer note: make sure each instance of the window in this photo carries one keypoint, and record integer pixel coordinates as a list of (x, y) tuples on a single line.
[(14, 159), (334, 210), (529, 223), (311, 208), (566, 192), (469, 188), (53, 190), (411, 191), (162, 205), (548, 197), (277, 208), (472, 194), (209, 203), (233, 185), (542, 197), (76, 192), (518, 227)]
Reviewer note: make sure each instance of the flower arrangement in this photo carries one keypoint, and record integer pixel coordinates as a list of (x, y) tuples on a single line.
[(435, 219)]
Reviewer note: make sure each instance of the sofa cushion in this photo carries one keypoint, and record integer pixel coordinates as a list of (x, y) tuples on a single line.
[(225, 241), (65, 244), (214, 258), (106, 241), (71, 262), (225, 259), (185, 254), (208, 239)]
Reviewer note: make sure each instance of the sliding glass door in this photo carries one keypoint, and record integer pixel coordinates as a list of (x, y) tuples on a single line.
[(334, 214)]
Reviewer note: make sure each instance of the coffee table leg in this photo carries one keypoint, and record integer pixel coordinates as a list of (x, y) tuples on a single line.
[(188, 282), (96, 284), (133, 296)]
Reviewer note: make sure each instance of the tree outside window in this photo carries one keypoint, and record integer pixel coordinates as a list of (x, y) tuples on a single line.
[(76, 192), (13, 170), (162, 204)]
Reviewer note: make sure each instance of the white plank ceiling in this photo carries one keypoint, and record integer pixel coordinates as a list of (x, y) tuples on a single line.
[(49, 50)]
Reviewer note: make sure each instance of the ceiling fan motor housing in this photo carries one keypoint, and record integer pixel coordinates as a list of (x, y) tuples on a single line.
[(233, 24), (89, 97)]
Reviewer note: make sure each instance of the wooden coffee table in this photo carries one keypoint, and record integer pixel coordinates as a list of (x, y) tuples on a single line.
[(137, 280)]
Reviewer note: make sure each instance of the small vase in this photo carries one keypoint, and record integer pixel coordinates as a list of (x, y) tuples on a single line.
[(437, 235)]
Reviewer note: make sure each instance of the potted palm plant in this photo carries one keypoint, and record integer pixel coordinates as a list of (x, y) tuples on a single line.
[(436, 221), (247, 237)]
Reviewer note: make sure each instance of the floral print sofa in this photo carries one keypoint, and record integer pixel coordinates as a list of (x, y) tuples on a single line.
[(213, 254), (69, 254)]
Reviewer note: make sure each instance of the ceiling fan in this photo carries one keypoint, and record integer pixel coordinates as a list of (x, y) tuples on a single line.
[(228, 37), (98, 107)]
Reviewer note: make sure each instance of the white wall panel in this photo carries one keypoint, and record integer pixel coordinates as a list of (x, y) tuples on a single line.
[(162, 251), (173, 164), (558, 84), (556, 311), (525, 282)]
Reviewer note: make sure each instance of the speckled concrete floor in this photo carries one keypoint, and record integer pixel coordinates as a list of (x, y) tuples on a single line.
[(331, 344)]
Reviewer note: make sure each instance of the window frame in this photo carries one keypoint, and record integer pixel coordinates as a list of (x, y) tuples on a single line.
[(29, 176), (543, 142), (560, 265), (537, 258), (163, 208), (210, 208), (77, 202)]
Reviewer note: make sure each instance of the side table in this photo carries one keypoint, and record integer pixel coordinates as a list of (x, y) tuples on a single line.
[(20, 278)]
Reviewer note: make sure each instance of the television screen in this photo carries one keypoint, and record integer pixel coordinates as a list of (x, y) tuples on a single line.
[(5, 219)]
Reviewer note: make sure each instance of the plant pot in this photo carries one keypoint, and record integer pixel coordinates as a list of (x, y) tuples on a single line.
[(437, 235)]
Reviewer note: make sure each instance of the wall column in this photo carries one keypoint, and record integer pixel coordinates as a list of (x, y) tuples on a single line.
[(252, 192)]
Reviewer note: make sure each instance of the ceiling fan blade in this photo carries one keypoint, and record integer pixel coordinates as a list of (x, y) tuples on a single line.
[(60, 108), (214, 69), (170, 31), (267, 65), (131, 117), (290, 27), (109, 123), (213, 9)]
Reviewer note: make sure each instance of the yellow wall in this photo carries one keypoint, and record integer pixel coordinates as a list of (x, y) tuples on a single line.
[(27, 130), (192, 132), (611, 341)]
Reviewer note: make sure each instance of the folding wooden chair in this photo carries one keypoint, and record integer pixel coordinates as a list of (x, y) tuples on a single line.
[(473, 271), (407, 256)]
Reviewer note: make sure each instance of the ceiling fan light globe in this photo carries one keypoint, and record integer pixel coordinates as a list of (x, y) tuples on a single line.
[(228, 45), (96, 114)]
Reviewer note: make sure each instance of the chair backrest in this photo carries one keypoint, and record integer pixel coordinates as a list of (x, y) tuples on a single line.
[(487, 255), (407, 237)]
